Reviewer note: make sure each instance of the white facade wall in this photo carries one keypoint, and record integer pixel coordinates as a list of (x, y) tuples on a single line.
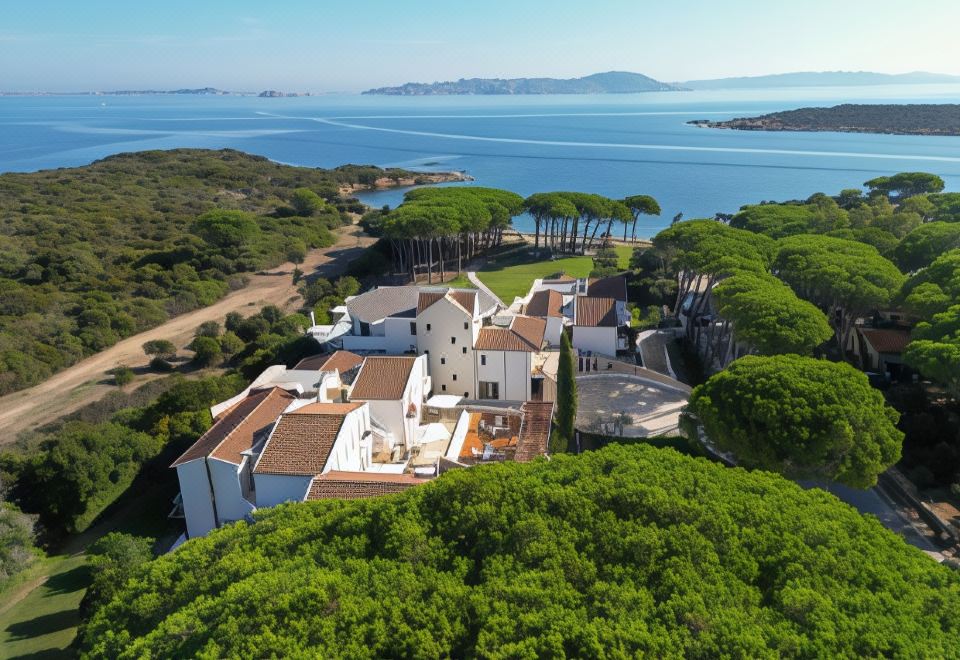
[(393, 414), (274, 489), (553, 330), (197, 498), (447, 358), (391, 336), (597, 340), (350, 452), (510, 369), (228, 492)]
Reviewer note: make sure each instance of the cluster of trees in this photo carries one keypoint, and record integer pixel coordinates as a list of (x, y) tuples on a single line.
[(625, 551), (17, 549), (933, 294), (571, 221), (459, 221), (97, 253), (803, 417)]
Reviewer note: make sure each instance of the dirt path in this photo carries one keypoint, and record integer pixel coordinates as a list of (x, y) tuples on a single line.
[(87, 380)]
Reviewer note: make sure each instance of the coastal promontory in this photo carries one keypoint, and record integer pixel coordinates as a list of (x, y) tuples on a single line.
[(610, 82), (897, 119)]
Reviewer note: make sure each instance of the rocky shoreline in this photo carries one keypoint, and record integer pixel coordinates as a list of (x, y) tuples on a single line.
[(420, 179)]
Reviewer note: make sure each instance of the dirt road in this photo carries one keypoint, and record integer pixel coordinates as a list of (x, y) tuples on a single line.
[(88, 381)]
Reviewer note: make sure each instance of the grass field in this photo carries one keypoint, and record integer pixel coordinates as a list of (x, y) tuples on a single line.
[(44, 623), (511, 278)]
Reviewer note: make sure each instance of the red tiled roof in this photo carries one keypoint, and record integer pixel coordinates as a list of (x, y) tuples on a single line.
[(342, 361), (595, 312), (236, 430), (463, 297), (427, 298), (534, 430), (302, 439), (887, 340), (524, 334), (358, 485), (382, 378), (546, 302), (614, 287)]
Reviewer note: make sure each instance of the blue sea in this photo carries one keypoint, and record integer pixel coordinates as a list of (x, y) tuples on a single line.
[(615, 145)]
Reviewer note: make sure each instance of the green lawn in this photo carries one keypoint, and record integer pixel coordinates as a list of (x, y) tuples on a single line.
[(44, 623), (510, 278)]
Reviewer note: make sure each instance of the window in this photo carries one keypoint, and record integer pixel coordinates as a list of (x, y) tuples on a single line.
[(443, 360), (464, 350), (466, 395), (443, 387), (466, 325), (483, 360), (426, 352), (454, 376), (489, 390), (364, 329), (413, 327), (428, 327), (453, 340)]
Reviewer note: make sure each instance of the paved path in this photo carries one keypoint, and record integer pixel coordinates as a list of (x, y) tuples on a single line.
[(87, 380), (472, 276)]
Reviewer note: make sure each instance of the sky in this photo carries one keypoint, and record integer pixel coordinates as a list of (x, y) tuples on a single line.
[(347, 46)]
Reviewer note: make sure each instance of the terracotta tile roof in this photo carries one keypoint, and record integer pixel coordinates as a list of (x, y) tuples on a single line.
[(562, 278), (342, 361), (384, 301), (534, 430), (358, 485), (239, 427), (546, 302), (382, 378), (466, 298), (302, 439), (614, 287), (887, 340), (595, 312), (524, 334)]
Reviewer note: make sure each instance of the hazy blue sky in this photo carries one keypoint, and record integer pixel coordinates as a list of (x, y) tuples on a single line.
[(315, 45)]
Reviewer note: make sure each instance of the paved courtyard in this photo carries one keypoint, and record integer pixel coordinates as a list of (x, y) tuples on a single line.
[(652, 409)]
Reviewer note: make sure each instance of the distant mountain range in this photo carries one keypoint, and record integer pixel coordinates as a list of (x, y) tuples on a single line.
[(611, 82), (822, 79)]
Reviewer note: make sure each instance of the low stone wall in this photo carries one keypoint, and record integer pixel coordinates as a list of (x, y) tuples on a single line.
[(606, 365)]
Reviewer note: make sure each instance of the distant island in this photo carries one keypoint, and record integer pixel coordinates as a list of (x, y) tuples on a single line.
[(822, 79), (274, 94), (201, 91), (611, 82), (926, 119)]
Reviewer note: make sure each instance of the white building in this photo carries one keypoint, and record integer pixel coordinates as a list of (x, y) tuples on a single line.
[(395, 387), (311, 440), (215, 473), (383, 320), (595, 326), (448, 322), (504, 354)]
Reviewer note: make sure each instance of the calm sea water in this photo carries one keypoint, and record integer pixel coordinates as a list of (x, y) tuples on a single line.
[(612, 145)]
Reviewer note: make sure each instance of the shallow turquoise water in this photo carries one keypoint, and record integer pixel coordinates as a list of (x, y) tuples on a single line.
[(613, 145)]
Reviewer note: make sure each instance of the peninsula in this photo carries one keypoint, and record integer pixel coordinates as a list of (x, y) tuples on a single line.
[(610, 82), (895, 119)]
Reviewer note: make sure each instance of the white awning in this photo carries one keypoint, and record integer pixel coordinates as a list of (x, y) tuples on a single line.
[(444, 401)]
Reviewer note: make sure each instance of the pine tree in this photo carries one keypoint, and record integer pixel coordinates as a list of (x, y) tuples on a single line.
[(566, 397)]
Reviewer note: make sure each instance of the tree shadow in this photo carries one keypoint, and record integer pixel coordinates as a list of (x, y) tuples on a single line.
[(68, 581), (44, 624), (46, 654)]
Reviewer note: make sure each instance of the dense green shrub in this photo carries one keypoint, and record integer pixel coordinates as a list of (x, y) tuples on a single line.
[(621, 552)]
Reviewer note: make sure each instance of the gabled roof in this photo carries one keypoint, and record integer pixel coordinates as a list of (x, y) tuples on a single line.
[(887, 340), (302, 440), (342, 361), (382, 378), (614, 287), (545, 303), (239, 427), (357, 485), (472, 300), (534, 435), (563, 277), (595, 312), (383, 302), (524, 334)]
